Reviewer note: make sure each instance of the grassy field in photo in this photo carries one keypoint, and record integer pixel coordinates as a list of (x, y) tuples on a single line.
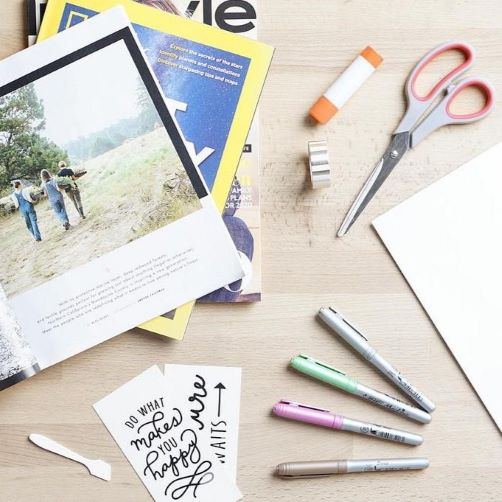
[(127, 193)]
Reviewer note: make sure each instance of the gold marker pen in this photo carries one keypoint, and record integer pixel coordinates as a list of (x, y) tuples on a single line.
[(330, 467)]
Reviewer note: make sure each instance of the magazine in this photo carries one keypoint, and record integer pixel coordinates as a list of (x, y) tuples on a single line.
[(105, 219), (35, 10), (227, 102)]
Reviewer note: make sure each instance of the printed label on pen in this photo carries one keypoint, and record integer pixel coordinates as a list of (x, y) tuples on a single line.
[(386, 404), (382, 432), (385, 466), (376, 466), (406, 386), (390, 435)]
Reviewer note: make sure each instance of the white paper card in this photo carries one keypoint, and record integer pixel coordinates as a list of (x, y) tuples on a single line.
[(210, 398), (171, 458), (447, 241)]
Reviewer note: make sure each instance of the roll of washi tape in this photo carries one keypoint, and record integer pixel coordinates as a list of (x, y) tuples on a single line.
[(346, 85), (320, 171)]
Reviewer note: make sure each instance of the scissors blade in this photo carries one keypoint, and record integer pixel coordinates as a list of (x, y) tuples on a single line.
[(398, 146)]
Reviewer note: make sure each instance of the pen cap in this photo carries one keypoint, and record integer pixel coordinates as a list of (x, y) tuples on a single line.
[(345, 330), (323, 372), (311, 468), (307, 414)]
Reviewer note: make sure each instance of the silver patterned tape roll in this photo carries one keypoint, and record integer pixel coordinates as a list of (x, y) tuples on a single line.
[(320, 171)]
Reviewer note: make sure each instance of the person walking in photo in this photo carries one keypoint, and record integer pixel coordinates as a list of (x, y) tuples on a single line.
[(51, 190), (22, 200), (72, 191)]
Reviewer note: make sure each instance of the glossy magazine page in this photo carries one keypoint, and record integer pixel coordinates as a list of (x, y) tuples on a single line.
[(107, 221), (17, 361)]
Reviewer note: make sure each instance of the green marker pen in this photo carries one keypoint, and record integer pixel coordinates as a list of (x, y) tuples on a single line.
[(337, 378)]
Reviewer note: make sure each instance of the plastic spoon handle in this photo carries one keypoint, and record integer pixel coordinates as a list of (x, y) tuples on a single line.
[(51, 445)]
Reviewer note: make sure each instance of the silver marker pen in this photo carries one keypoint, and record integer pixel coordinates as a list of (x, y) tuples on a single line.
[(359, 343), (330, 467)]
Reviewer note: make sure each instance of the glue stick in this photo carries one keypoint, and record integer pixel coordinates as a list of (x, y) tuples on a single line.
[(346, 85)]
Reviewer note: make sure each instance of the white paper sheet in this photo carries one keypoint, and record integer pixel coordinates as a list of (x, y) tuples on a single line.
[(447, 241), (172, 459), (210, 397)]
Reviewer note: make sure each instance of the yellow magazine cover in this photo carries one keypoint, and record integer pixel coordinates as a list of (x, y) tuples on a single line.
[(212, 81)]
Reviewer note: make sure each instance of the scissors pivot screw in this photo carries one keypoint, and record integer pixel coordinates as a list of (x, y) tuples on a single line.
[(394, 154)]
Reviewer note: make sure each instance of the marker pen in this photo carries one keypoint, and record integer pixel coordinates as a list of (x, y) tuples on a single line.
[(320, 468), (346, 85), (343, 328), (337, 378), (325, 418)]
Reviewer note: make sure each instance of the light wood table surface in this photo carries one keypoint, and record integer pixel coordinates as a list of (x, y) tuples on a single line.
[(304, 267)]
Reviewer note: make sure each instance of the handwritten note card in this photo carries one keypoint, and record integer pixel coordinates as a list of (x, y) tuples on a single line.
[(169, 454), (210, 398)]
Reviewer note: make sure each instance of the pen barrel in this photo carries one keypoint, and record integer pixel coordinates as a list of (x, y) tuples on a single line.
[(392, 404), (324, 373), (389, 464), (400, 381), (311, 469), (381, 432)]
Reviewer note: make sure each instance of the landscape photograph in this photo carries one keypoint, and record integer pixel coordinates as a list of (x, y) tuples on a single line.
[(86, 166)]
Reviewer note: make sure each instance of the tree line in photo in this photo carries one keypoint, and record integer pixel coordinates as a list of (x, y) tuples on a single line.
[(24, 151)]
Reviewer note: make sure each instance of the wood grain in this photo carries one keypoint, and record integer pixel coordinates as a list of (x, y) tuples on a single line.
[(304, 267)]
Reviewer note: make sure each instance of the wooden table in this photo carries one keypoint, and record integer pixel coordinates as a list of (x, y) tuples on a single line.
[(304, 267)]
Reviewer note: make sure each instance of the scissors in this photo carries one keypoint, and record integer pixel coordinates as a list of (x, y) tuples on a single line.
[(424, 115)]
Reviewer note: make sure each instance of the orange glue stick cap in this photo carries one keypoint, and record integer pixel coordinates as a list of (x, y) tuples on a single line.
[(323, 110), (372, 56)]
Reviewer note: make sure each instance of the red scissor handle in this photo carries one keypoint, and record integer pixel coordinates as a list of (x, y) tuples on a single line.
[(417, 105), (465, 49), (477, 83), (442, 115)]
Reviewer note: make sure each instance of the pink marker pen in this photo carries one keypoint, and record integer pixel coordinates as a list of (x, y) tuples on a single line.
[(325, 418)]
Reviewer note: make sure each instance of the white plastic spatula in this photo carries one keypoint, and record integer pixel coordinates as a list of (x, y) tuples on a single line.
[(97, 468)]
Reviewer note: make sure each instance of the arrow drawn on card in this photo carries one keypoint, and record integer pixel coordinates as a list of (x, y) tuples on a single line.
[(220, 387)]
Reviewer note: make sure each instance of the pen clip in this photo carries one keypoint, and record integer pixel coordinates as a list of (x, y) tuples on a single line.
[(306, 406), (346, 321), (322, 365)]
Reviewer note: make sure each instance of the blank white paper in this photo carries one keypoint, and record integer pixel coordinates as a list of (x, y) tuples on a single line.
[(447, 241)]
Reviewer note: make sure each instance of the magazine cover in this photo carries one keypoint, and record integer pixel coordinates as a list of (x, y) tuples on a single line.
[(242, 208), (204, 72), (105, 218)]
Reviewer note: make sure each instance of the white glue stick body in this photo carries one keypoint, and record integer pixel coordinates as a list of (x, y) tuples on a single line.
[(346, 85)]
